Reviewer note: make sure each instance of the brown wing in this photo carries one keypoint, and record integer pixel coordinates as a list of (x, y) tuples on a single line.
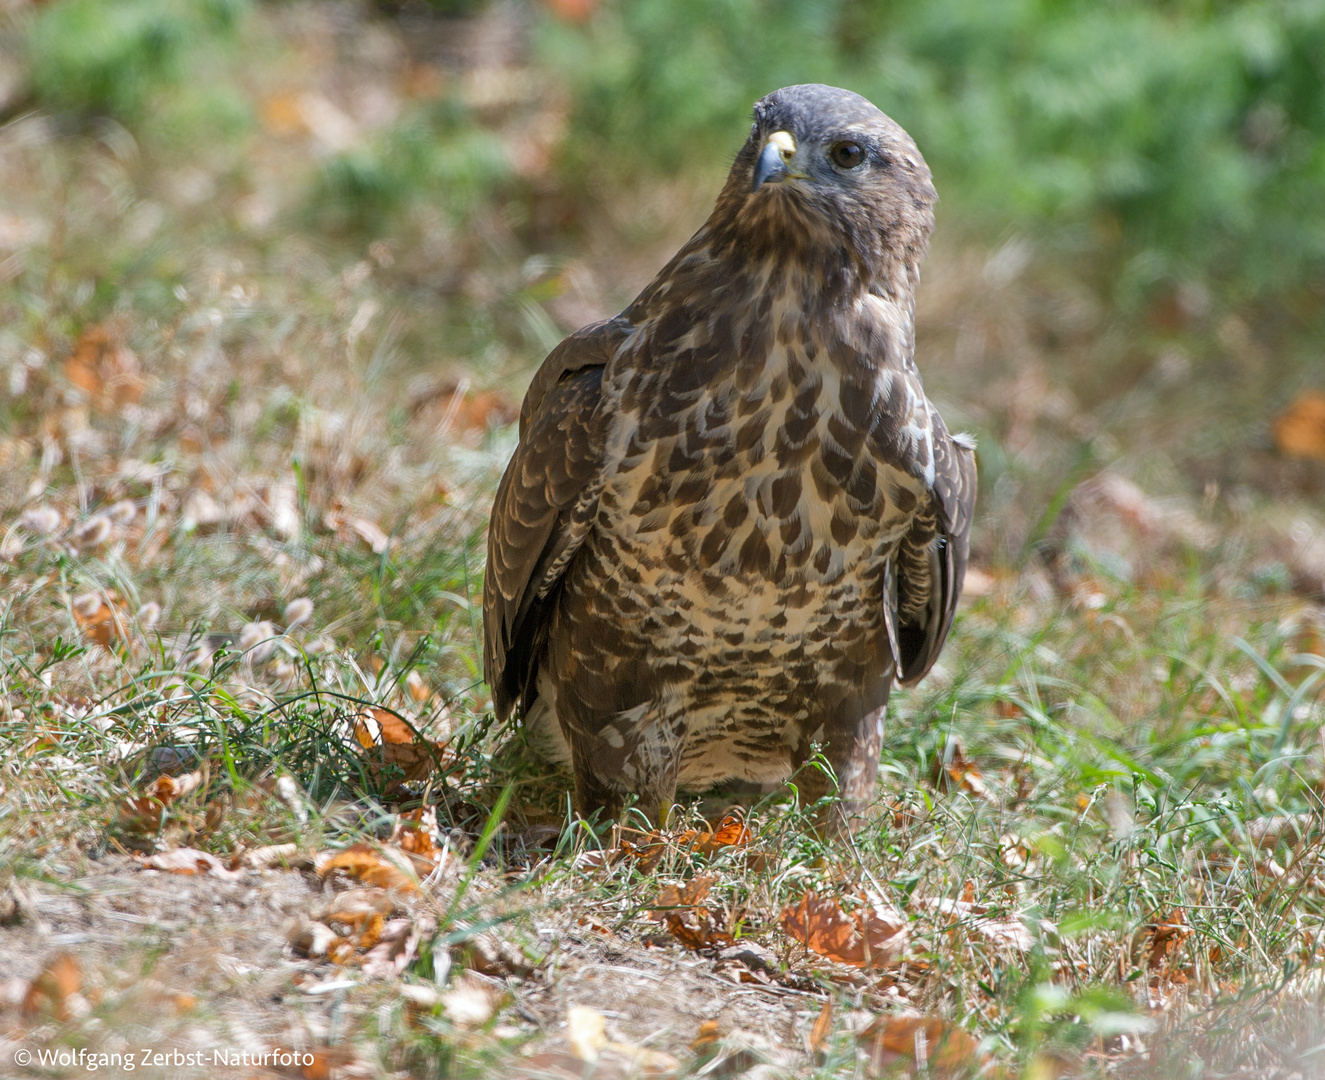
[(544, 505), (931, 562)]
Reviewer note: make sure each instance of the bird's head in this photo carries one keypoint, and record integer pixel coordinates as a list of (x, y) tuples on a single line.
[(828, 181)]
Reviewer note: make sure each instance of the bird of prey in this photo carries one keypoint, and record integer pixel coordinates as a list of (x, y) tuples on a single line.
[(733, 519)]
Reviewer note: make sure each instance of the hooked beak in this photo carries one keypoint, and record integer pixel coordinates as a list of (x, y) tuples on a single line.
[(774, 164)]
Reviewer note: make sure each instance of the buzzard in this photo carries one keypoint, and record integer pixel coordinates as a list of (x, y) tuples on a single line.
[(733, 519)]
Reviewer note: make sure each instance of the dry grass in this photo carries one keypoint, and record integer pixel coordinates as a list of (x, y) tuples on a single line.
[(249, 436)]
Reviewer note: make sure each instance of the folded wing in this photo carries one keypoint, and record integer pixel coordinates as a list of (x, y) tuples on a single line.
[(544, 506), (930, 564)]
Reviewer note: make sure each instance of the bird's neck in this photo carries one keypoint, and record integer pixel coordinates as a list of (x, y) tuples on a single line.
[(714, 303), (842, 256)]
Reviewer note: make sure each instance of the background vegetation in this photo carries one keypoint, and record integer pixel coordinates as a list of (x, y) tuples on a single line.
[(1177, 140), (272, 278)]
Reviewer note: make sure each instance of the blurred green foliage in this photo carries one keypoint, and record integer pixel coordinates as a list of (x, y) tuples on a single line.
[(1185, 136), (158, 67), (1163, 141), (113, 58), (437, 153)]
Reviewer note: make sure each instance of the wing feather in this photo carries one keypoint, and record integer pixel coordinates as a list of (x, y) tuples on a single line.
[(931, 562), (544, 506)]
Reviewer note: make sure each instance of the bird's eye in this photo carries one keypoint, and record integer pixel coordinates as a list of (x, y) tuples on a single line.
[(846, 155)]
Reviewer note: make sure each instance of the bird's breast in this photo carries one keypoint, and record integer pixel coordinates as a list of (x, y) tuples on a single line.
[(751, 511)]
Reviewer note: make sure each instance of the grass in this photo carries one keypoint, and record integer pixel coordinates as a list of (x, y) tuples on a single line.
[(249, 441)]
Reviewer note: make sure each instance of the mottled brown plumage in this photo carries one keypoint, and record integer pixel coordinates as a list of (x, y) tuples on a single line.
[(733, 519)]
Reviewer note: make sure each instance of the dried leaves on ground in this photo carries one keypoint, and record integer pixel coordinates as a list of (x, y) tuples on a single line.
[(873, 935)]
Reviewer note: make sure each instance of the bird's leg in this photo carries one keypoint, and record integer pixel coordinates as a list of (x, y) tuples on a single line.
[(655, 762), (657, 798), (851, 748), (592, 793), (634, 750)]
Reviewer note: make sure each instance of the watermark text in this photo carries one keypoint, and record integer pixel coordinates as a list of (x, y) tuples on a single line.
[(150, 1057)]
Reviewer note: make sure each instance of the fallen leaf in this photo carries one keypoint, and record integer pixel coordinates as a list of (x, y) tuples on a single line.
[(374, 725), (396, 946), (416, 833), (647, 854), (688, 895), (823, 1027), (1110, 517), (370, 533), (1165, 990), (354, 908), (282, 116), (312, 939), (56, 989), (424, 81), (447, 405), (904, 814), (169, 788), (1166, 937), (1300, 430), (104, 368), (476, 412), (726, 1054), (955, 770), (707, 1038), (572, 11), (870, 937), (354, 928), (471, 1001), (489, 954), (756, 964), (696, 934), (264, 858), (346, 949), (189, 861), (649, 851), (731, 831), (140, 815), (393, 749), (586, 1031), (369, 934), (943, 1047), (418, 689), (595, 859), (420, 996), (696, 927), (97, 617), (348, 527), (363, 863), (318, 1068), (978, 582), (641, 1061)]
